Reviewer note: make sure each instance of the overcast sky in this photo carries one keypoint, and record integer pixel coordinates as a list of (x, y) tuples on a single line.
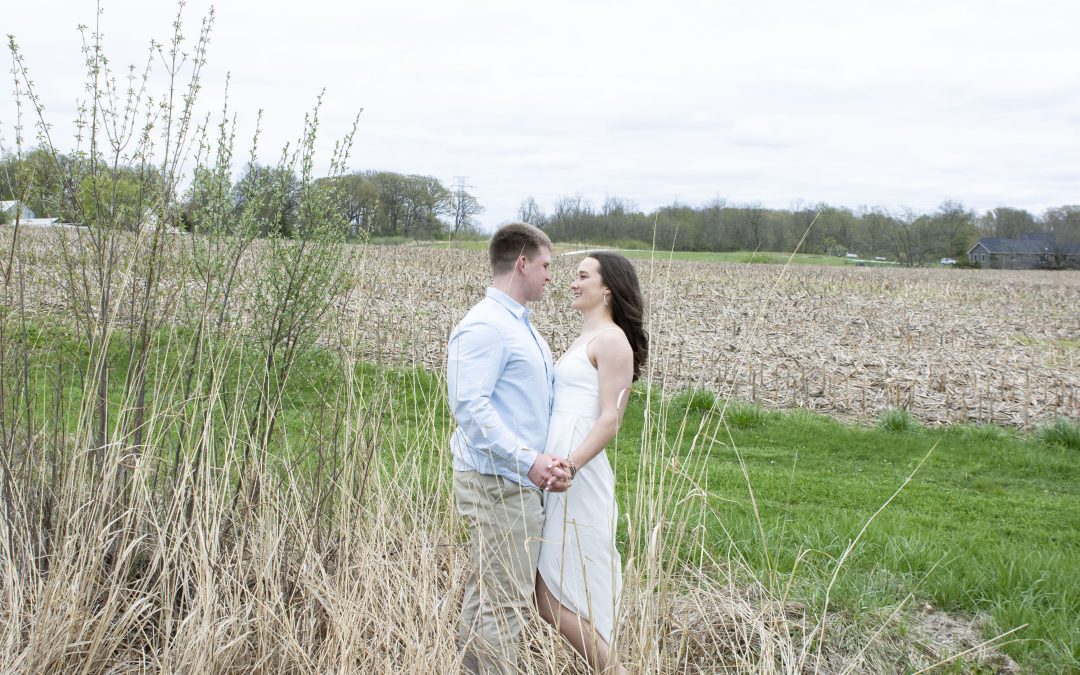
[(900, 104)]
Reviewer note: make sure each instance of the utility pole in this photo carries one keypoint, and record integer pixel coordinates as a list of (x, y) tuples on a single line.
[(461, 208)]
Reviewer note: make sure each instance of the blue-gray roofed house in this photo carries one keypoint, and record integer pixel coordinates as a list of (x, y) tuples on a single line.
[(1038, 251)]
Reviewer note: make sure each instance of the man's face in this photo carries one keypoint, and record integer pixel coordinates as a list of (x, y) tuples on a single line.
[(535, 275)]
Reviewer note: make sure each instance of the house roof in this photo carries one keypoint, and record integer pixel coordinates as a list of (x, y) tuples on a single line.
[(1029, 244), (1034, 244), (12, 206)]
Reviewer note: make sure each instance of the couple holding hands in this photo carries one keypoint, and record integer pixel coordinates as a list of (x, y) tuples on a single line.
[(531, 477)]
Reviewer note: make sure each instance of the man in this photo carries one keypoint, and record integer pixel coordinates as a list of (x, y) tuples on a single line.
[(500, 378)]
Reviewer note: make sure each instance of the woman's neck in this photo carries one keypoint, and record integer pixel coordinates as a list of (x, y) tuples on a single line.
[(595, 320)]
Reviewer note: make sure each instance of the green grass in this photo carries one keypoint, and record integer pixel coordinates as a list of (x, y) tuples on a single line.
[(741, 257), (639, 249), (468, 244), (989, 526), (1061, 432), (1063, 343), (897, 421)]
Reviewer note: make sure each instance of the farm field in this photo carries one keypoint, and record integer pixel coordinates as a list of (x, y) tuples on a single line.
[(950, 346)]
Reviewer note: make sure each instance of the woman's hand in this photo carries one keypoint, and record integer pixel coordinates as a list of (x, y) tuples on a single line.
[(550, 473)]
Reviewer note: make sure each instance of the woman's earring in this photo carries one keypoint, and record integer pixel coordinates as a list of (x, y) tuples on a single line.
[(605, 299)]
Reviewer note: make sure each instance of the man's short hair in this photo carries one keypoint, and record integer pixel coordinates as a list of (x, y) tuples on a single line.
[(512, 241)]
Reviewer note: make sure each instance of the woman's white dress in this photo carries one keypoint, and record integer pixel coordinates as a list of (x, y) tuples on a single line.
[(578, 559)]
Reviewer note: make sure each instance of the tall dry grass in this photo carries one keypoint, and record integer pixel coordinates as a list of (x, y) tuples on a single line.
[(355, 564)]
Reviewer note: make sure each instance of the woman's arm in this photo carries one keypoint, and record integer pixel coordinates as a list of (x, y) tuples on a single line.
[(615, 370)]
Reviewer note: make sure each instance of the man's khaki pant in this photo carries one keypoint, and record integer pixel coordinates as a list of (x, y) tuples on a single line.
[(507, 521)]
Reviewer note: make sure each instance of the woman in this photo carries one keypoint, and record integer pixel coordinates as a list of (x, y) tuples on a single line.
[(579, 576)]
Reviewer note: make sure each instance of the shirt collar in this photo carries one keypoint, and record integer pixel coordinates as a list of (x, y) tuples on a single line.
[(516, 308)]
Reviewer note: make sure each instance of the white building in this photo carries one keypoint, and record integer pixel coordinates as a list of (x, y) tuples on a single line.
[(27, 217), (11, 208)]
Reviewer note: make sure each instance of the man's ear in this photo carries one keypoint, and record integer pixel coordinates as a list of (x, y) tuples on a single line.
[(521, 263)]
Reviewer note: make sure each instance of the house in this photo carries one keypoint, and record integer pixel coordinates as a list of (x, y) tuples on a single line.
[(1027, 252), (10, 209)]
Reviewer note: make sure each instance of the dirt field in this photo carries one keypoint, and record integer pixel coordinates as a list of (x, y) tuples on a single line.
[(948, 345)]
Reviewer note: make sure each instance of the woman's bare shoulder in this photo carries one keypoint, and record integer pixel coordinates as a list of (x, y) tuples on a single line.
[(611, 342)]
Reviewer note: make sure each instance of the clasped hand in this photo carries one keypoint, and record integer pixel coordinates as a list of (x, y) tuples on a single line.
[(550, 473)]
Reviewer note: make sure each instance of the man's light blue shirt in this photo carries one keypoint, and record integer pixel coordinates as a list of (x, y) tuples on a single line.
[(499, 376)]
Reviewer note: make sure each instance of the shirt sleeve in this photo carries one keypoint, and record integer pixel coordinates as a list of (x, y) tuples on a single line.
[(475, 360)]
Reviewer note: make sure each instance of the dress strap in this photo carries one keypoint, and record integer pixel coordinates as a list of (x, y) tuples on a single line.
[(599, 333)]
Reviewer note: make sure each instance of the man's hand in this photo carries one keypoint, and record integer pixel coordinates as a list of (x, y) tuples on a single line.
[(550, 473)]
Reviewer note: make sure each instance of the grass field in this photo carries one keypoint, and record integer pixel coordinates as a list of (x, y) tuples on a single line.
[(761, 258), (988, 527), (987, 531)]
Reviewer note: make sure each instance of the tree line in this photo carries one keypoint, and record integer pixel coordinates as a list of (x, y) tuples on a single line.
[(904, 236), (389, 204), (367, 203)]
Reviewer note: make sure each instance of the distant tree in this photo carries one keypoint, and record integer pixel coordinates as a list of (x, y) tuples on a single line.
[(530, 212), (1064, 222), (570, 218), (715, 232), (798, 228), (426, 199), (357, 198), (834, 228), (463, 207), (773, 230), (404, 205), (905, 237), (117, 202), (908, 237), (271, 196), (753, 219), (38, 180), (617, 206), (390, 212), (677, 227), (1007, 222), (877, 229), (953, 230), (569, 207)]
